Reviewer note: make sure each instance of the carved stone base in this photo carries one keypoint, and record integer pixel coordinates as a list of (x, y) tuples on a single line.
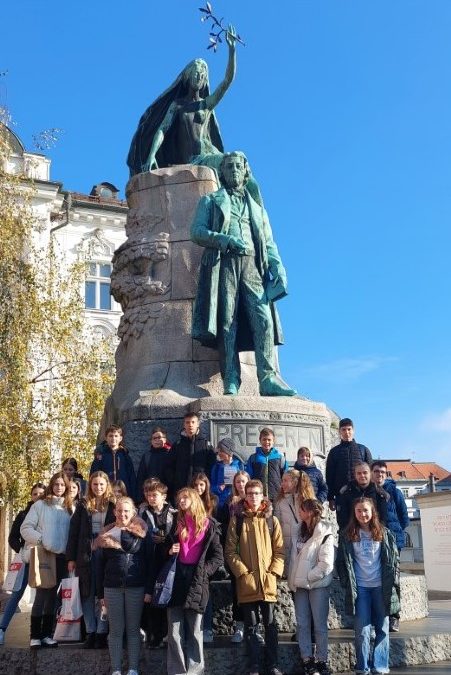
[(295, 422)]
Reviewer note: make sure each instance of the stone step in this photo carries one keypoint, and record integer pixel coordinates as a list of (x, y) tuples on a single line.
[(418, 642)]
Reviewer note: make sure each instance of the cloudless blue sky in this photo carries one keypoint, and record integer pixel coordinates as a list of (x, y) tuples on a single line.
[(344, 110)]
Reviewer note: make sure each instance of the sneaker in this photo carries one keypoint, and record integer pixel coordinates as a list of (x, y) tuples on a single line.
[(310, 667), (239, 633), (323, 668), (116, 672), (35, 644), (132, 672), (208, 637), (275, 671), (49, 642), (2, 636), (394, 624), (254, 672)]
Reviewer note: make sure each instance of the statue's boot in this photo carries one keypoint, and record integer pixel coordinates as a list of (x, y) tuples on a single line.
[(231, 389), (273, 386)]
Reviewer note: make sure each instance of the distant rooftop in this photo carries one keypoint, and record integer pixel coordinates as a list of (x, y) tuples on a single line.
[(405, 469)]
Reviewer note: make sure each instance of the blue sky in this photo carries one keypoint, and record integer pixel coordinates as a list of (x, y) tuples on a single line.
[(344, 110)]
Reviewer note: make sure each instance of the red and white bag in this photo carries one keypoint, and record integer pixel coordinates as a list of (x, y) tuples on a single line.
[(14, 577), (67, 630), (71, 608)]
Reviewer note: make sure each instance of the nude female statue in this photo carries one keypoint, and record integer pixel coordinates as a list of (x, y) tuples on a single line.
[(180, 127)]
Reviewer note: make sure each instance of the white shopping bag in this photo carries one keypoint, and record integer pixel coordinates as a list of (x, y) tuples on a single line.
[(14, 578), (67, 630), (71, 608)]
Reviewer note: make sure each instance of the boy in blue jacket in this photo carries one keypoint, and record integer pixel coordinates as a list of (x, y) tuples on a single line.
[(224, 470), (113, 458), (267, 464)]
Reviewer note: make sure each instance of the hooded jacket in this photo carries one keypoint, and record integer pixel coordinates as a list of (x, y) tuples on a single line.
[(397, 516), (269, 468), (117, 465), (312, 567), (389, 573), (126, 563), (256, 560), (47, 524), (316, 478)]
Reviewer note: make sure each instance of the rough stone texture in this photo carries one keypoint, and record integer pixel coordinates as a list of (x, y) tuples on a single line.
[(414, 601), (222, 659)]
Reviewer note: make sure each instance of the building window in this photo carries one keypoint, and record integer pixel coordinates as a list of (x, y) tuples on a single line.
[(418, 490), (97, 286), (405, 492)]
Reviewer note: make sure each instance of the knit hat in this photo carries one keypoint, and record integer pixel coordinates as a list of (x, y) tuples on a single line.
[(226, 445)]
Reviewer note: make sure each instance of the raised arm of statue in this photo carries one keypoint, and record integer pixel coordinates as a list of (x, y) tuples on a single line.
[(159, 137), (214, 98)]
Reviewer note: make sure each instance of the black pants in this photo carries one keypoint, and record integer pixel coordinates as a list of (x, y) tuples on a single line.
[(155, 623), (251, 621)]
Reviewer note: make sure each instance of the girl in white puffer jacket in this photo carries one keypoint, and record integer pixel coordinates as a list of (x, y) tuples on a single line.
[(310, 576)]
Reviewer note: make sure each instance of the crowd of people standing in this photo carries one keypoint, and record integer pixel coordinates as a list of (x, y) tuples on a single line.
[(195, 510)]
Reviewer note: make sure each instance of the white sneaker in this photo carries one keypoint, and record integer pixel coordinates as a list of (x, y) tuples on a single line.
[(49, 642), (116, 672), (34, 644), (208, 636), (132, 672), (2, 636), (239, 633)]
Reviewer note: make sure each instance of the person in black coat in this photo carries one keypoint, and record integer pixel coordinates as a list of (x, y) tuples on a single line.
[(16, 541), (306, 463), (154, 460), (161, 520), (123, 580), (93, 512), (192, 453), (199, 554), (342, 459), (361, 487)]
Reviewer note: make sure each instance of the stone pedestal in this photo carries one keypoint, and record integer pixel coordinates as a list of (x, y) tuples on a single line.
[(161, 371)]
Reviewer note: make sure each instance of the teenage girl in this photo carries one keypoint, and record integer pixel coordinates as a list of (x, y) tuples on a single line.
[(311, 566), (47, 524), (368, 565), (199, 554), (91, 515)]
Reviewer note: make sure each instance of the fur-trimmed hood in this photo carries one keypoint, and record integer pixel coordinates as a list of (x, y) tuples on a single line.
[(137, 528)]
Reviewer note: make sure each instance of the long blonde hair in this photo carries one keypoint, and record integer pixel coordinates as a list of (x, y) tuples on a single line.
[(196, 511), (304, 489), (105, 499), (294, 475)]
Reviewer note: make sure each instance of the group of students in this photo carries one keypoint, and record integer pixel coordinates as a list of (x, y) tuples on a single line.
[(263, 522)]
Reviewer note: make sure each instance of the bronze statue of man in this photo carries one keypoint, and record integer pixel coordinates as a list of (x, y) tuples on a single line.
[(241, 275)]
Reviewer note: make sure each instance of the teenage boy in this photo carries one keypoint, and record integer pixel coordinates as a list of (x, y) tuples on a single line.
[(254, 552), (112, 457), (342, 459), (224, 470), (267, 464), (192, 453), (161, 520)]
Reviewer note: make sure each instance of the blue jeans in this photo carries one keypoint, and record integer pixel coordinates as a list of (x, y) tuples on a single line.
[(91, 614), (369, 610), (308, 605), (14, 600)]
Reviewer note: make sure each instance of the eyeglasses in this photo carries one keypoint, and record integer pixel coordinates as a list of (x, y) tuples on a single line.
[(253, 494)]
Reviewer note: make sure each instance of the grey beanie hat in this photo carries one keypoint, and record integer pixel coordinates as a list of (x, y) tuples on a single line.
[(226, 445)]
